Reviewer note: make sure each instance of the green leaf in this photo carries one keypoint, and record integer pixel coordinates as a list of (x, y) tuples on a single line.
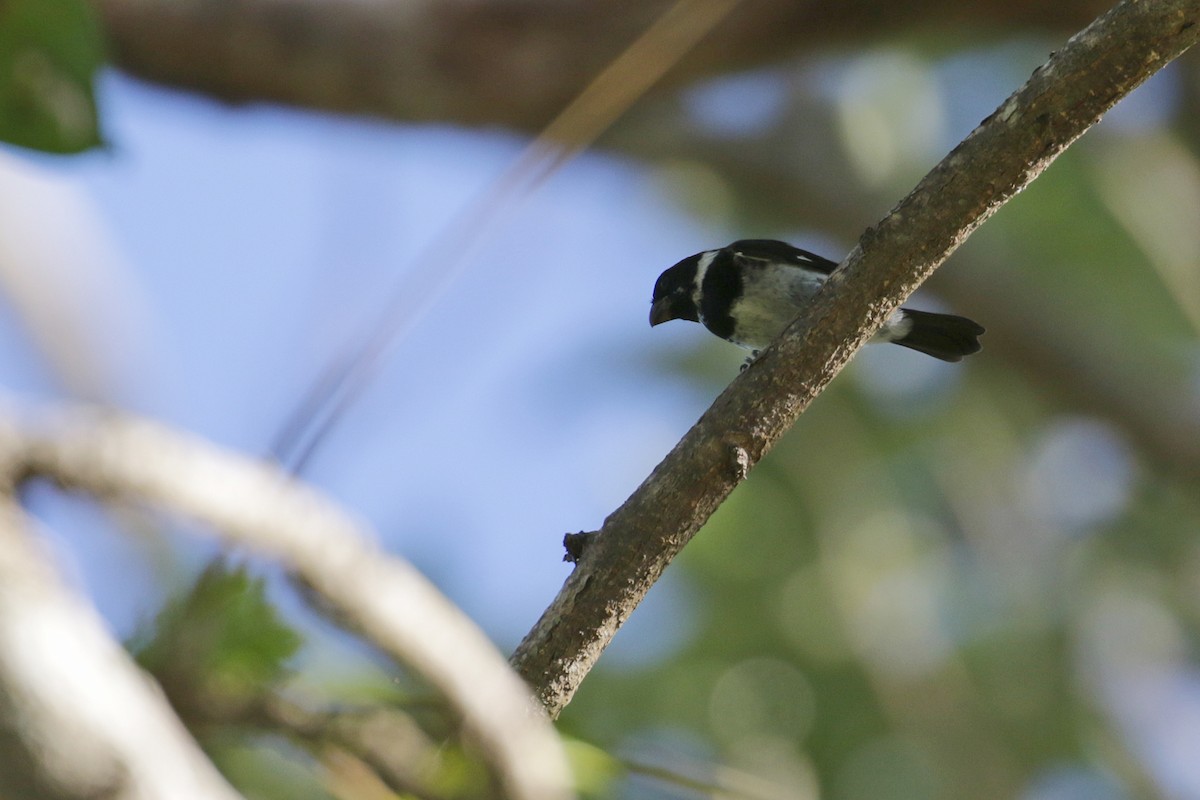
[(216, 648), (49, 53)]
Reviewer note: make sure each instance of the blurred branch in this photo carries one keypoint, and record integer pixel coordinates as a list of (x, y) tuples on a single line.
[(74, 295), (383, 598), (505, 62), (77, 718), (387, 741), (1059, 102)]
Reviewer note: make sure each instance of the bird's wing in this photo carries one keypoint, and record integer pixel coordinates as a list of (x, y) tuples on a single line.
[(781, 252)]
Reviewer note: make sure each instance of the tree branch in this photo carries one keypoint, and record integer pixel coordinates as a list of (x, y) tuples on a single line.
[(77, 718), (387, 741), (1059, 102), (256, 506), (507, 62)]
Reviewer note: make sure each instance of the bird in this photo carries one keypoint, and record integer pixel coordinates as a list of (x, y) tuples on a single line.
[(749, 291)]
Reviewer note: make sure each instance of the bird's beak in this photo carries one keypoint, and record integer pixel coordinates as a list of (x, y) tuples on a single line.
[(660, 312)]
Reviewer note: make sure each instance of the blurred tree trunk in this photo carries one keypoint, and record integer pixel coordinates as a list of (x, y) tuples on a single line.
[(506, 62)]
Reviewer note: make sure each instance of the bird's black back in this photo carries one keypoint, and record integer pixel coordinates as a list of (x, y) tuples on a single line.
[(783, 253)]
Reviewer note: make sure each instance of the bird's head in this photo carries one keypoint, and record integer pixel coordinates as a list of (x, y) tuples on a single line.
[(675, 293)]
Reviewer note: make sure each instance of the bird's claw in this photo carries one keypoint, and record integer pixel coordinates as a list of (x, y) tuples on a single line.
[(749, 360)]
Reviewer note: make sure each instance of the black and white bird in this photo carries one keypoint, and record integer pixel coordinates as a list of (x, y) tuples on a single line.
[(749, 291)]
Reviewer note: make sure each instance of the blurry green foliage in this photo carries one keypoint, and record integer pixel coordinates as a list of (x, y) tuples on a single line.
[(264, 767), (50, 51), (217, 647), (595, 770), (220, 650)]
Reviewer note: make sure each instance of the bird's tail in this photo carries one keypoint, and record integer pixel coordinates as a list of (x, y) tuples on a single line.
[(943, 336)]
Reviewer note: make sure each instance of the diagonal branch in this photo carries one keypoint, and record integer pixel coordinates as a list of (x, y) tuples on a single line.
[(1059, 102)]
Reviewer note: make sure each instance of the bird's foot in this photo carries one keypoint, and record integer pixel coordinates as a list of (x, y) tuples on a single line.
[(749, 360)]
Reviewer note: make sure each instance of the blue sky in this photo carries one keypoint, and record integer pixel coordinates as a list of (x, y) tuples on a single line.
[(252, 243)]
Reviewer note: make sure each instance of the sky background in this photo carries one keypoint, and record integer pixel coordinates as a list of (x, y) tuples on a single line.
[(249, 245)]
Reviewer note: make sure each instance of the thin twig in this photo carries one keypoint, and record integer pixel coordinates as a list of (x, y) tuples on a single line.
[(444, 258), (384, 739)]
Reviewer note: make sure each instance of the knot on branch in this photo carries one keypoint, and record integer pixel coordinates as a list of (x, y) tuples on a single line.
[(574, 545), (741, 456)]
